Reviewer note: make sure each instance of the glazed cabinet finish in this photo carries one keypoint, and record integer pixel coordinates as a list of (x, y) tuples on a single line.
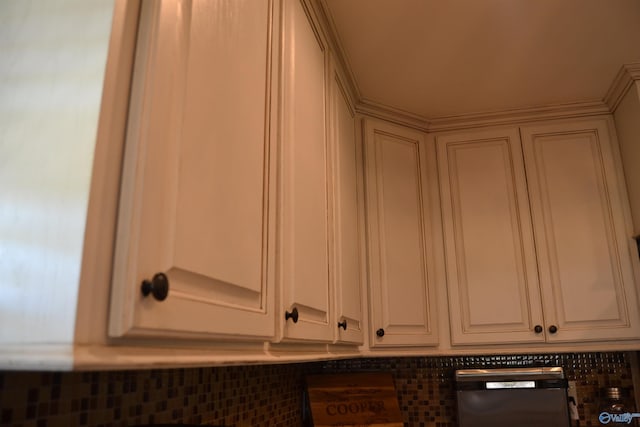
[(582, 239), (248, 180), (199, 173), (240, 179), (399, 167), (492, 279), (304, 227), (536, 236), (347, 216)]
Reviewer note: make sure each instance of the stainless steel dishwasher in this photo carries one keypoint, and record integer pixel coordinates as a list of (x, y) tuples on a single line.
[(523, 397)]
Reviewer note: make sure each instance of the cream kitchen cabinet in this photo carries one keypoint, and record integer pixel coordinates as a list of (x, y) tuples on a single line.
[(319, 220), (536, 235), (240, 195), (228, 175), (303, 221), (198, 202), (244, 179), (347, 260), (402, 222), (492, 280), (241, 178), (582, 231)]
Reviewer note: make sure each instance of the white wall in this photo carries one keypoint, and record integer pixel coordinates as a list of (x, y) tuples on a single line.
[(52, 60), (627, 118)]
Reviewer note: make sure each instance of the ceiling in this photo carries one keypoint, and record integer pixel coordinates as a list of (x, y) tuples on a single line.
[(437, 58)]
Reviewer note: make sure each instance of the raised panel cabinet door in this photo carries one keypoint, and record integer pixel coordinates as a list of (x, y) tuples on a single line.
[(492, 281), (347, 217), (580, 230), (303, 218), (197, 181), (398, 163)]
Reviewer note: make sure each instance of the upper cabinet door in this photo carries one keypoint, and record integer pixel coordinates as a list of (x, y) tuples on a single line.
[(303, 219), (490, 255), (580, 230), (198, 173), (400, 176), (347, 259)]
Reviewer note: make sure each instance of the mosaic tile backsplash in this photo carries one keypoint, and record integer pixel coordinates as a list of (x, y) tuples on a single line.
[(272, 395)]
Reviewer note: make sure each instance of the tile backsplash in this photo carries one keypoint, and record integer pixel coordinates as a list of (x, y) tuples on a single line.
[(272, 395)]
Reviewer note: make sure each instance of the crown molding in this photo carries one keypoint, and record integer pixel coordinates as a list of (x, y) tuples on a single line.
[(339, 53), (627, 74), (374, 109), (519, 115), (473, 120)]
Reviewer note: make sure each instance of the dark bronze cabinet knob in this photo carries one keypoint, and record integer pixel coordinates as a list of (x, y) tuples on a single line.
[(293, 315), (537, 329), (553, 329), (158, 286), (342, 325), (380, 332)]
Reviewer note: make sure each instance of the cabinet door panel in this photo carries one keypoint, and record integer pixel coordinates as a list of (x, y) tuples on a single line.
[(347, 223), (398, 214), (579, 227), (492, 280), (304, 221), (197, 173)]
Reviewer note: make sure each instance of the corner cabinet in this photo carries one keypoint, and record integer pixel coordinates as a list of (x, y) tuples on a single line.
[(402, 215), (347, 216), (198, 186), (303, 219), (319, 220), (536, 236)]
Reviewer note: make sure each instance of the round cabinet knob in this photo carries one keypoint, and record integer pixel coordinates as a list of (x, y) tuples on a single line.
[(537, 329), (293, 315), (158, 286), (342, 325), (553, 329), (380, 332)]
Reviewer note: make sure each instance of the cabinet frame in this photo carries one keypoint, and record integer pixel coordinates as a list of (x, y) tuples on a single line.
[(544, 303), (395, 333), (615, 229), (157, 99)]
